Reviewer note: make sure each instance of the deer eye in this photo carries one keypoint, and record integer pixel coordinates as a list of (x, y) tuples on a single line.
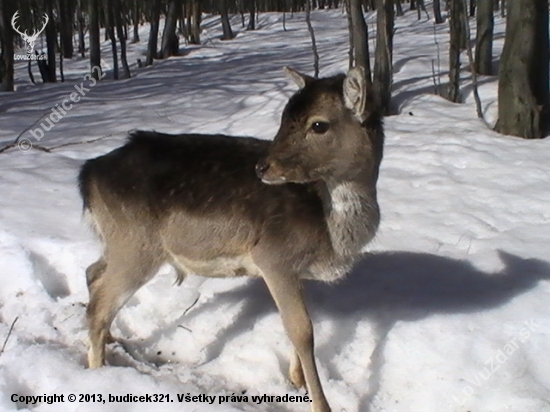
[(320, 127)]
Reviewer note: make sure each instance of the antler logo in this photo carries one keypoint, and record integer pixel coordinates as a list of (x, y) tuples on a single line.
[(29, 39)]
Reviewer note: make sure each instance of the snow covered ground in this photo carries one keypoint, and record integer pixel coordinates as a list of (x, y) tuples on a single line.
[(450, 312)]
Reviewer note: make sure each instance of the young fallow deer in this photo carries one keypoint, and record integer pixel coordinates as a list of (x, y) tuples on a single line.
[(300, 207)]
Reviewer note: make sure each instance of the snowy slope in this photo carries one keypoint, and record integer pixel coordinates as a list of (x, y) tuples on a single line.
[(450, 312)]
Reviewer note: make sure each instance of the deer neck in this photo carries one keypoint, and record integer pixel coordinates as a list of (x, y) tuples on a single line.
[(351, 212)]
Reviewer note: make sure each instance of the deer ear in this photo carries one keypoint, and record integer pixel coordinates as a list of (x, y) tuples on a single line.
[(355, 92), (301, 80)]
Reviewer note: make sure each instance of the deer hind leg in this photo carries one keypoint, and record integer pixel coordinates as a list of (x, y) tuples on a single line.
[(111, 283), (295, 372), (286, 292)]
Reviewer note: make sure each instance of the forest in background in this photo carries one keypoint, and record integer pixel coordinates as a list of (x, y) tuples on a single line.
[(77, 28)]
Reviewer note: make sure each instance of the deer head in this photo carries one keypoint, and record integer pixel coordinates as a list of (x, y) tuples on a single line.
[(324, 132)]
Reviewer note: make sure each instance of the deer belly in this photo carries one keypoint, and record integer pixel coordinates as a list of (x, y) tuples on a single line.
[(223, 266)]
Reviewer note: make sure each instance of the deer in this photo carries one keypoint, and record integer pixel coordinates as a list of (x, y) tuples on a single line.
[(302, 206), (29, 39)]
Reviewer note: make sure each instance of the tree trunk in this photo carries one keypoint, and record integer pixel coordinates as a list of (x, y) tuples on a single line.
[(399, 8), (421, 8), (457, 25), (6, 37), (226, 26), (313, 42), (473, 5), (119, 14), (437, 12), (360, 38), (252, 10), (484, 38), (81, 25), (51, 40), (383, 66), (95, 51), (66, 10), (170, 42), (136, 22), (194, 22), (351, 55), (110, 28), (153, 33), (523, 87)]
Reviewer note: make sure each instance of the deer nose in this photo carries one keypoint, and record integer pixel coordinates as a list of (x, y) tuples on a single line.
[(261, 167)]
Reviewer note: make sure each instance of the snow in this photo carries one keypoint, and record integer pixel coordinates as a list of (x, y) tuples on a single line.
[(449, 312)]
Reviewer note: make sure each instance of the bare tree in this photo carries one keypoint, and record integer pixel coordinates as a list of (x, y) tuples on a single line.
[(484, 37), (252, 18), (95, 51), (136, 16), (313, 42), (170, 42), (523, 87), (193, 10), (153, 33), (66, 11), (110, 29), (359, 36), (6, 37), (119, 13), (457, 33), (81, 28), (398, 8), (51, 42), (226, 25), (383, 66), (437, 12)]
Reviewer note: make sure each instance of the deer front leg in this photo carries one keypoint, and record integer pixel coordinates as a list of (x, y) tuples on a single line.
[(286, 292)]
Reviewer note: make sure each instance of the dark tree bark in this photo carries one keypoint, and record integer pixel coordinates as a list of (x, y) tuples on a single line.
[(351, 54), (170, 42), (383, 66), (153, 33), (136, 16), (194, 22), (421, 8), (313, 42), (523, 87), (457, 29), (81, 25), (437, 12), (360, 39), (119, 13), (226, 25), (51, 40), (399, 8), (95, 50), (484, 38), (6, 37), (252, 17), (110, 28), (473, 5), (66, 10)]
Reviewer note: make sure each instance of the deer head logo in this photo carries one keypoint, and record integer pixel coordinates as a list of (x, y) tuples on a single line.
[(29, 39)]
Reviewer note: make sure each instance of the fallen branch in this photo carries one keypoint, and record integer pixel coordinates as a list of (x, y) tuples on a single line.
[(16, 141), (25, 144), (8, 337)]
